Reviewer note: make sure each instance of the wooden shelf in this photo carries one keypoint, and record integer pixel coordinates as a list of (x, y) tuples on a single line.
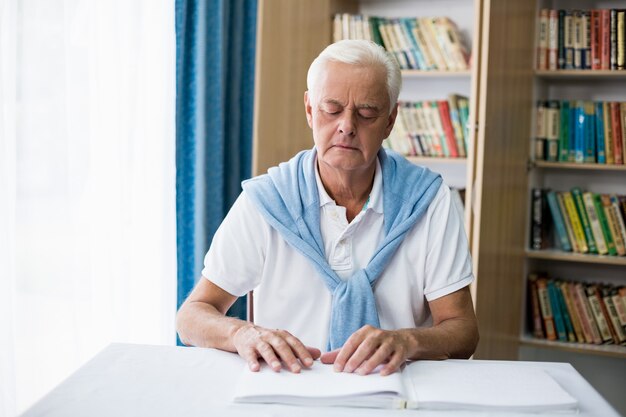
[(581, 74), (602, 350), (557, 255), (573, 165), (436, 74), (435, 160)]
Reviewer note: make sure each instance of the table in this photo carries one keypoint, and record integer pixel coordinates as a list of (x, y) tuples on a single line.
[(143, 380)]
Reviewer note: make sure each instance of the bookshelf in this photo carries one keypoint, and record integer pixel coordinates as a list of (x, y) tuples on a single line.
[(510, 85)]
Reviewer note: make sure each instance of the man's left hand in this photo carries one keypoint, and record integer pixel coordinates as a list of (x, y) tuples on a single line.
[(368, 348)]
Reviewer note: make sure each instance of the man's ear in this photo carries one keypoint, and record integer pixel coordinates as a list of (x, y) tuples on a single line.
[(308, 109), (391, 120)]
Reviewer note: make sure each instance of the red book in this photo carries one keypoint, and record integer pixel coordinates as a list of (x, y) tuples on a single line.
[(448, 130), (616, 126), (595, 40), (535, 307), (605, 41)]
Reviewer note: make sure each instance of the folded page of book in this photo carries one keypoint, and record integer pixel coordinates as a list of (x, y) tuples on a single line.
[(484, 385), (320, 386)]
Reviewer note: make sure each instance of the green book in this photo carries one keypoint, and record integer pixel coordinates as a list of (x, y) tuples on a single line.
[(604, 223), (584, 219), (375, 31)]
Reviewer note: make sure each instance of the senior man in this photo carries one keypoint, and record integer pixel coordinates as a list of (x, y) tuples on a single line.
[(348, 247)]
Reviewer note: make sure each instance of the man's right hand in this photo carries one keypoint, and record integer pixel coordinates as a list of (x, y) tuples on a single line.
[(274, 346)]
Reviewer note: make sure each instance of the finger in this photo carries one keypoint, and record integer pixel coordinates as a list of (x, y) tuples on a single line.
[(267, 353), (300, 351), (251, 357), (314, 352), (329, 357), (284, 351), (363, 352), (396, 361), (347, 350), (379, 356)]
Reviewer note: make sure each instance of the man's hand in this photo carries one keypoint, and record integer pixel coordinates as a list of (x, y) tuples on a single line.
[(254, 342), (369, 347)]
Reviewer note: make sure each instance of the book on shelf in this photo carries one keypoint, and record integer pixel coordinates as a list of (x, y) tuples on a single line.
[(578, 221), (535, 307), (581, 39), (620, 305), (417, 43), (573, 312), (575, 220), (557, 312), (617, 326), (547, 315), (594, 223), (581, 209), (577, 312), (598, 310), (430, 128), (487, 386), (559, 222), (588, 322), (580, 131), (565, 312), (539, 220), (615, 221)]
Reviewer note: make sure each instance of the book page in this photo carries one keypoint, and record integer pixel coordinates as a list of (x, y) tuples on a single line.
[(320, 385), (482, 385)]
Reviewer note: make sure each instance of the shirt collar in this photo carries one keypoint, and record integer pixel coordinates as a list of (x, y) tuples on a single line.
[(375, 197)]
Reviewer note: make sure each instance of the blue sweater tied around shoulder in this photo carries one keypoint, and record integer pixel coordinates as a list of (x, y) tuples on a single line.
[(288, 199)]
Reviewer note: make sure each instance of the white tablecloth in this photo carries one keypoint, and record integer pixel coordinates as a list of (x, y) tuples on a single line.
[(154, 381)]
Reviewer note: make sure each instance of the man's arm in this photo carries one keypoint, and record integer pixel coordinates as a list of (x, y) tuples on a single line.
[(202, 321), (454, 334)]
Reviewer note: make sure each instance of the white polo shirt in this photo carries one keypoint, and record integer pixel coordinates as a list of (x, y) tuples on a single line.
[(433, 261)]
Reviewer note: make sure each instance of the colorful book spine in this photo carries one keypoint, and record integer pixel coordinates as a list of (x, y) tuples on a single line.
[(587, 314), (596, 308), (573, 313), (612, 218), (572, 213), (584, 219), (616, 125), (552, 130), (546, 310), (564, 131), (568, 224), (535, 309), (608, 132), (558, 221), (594, 222), (579, 133), (599, 122), (589, 135), (567, 320), (559, 321)]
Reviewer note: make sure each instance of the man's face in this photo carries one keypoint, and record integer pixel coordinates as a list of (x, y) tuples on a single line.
[(349, 115)]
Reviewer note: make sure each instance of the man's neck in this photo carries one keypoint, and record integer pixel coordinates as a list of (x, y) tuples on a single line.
[(349, 189)]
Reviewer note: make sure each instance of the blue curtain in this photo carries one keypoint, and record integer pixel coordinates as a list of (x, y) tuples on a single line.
[(215, 46)]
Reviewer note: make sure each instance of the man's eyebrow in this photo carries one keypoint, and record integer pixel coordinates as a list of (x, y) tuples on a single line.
[(364, 106), (332, 101), (368, 106)]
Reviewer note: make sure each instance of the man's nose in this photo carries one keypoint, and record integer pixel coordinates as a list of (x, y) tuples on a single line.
[(347, 123)]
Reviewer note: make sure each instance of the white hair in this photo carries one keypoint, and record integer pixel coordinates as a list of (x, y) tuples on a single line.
[(363, 53)]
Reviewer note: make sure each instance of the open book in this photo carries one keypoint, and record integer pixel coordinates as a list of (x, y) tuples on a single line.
[(451, 385)]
